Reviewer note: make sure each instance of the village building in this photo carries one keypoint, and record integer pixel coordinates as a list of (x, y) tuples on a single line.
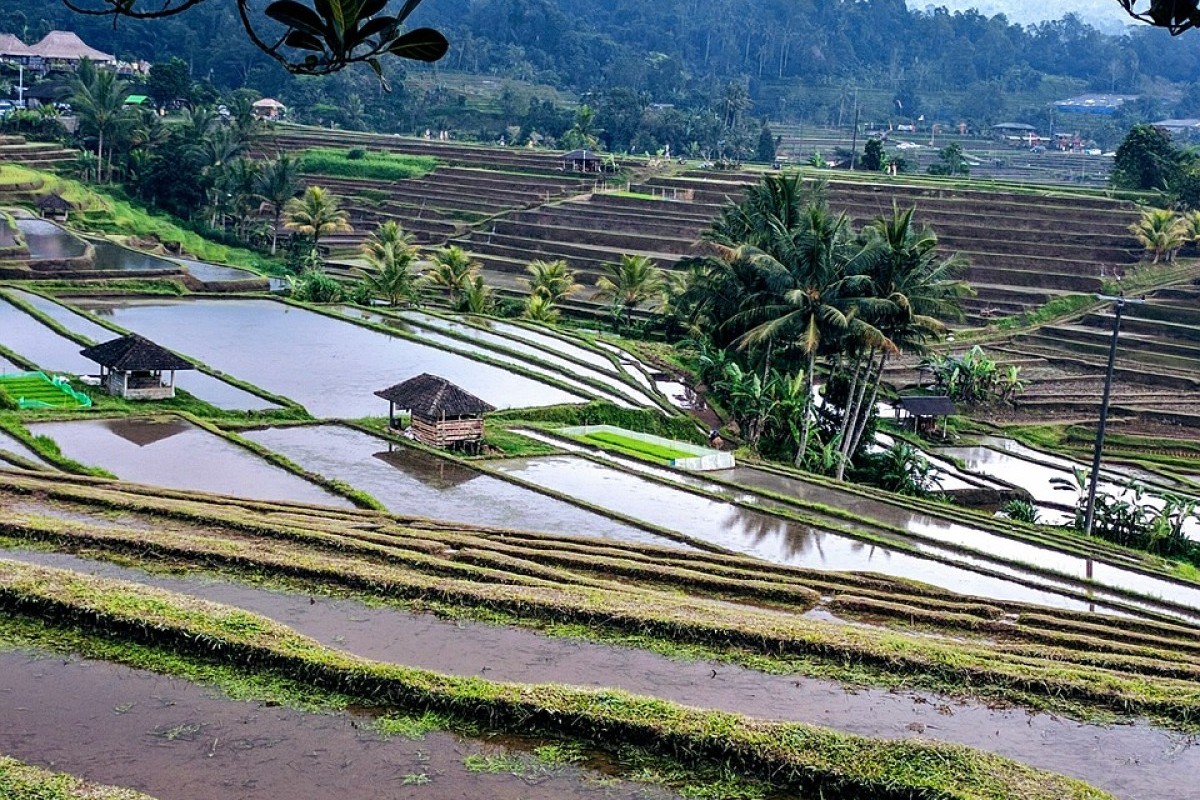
[(925, 411), (135, 368), (582, 161), (443, 415), (64, 50), (13, 49), (269, 109), (54, 206)]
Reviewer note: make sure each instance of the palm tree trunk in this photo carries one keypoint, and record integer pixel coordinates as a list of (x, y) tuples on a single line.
[(862, 423), (100, 156), (850, 412), (275, 228), (808, 398)]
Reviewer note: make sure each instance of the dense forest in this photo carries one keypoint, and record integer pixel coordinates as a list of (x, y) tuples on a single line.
[(710, 60)]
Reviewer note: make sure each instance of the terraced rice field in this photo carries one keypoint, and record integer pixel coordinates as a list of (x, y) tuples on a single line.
[(733, 610)]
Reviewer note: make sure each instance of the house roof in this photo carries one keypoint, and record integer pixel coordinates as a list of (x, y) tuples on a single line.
[(12, 46), (430, 396), (935, 406), (580, 155), (133, 352), (54, 202), (67, 46)]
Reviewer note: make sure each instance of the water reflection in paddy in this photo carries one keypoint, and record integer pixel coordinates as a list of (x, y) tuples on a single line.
[(546, 354), (48, 241), (179, 455), (56, 353), (755, 532), (409, 481), (331, 367)]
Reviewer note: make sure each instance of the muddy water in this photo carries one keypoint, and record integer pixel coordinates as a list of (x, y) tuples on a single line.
[(1133, 761), (408, 481), (544, 354), (755, 532), (179, 455), (331, 367), (177, 741), (211, 390)]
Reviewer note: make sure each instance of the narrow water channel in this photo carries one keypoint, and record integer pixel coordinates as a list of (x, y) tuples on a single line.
[(409, 481), (1128, 760), (331, 367), (179, 455)]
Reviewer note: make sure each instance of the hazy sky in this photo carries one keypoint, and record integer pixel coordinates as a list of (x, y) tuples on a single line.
[(1103, 14)]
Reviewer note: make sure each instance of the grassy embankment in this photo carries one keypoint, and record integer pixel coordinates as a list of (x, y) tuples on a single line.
[(793, 756), (22, 782)]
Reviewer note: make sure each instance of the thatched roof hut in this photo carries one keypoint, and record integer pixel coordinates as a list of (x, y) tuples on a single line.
[(925, 410), (54, 205), (65, 47), (13, 48), (135, 367), (268, 108), (582, 161), (443, 415)]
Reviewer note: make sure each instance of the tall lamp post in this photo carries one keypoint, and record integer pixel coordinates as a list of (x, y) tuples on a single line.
[(1119, 307)]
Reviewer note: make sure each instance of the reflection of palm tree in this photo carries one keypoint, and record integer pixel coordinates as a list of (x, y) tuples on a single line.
[(314, 214)]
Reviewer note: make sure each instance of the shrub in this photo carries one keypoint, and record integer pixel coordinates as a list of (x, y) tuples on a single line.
[(1021, 511), (356, 153)]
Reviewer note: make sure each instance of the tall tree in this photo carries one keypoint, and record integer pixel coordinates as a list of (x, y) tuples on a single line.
[(278, 182), (99, 100), (390, 254), (452, 272), (315, 214), (628, 283)]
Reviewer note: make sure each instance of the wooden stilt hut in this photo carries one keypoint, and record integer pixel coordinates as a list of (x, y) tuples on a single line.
[(137, 368), (926, 411), (443, 415)]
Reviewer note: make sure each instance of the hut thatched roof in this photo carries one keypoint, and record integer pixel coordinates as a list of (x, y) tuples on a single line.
[(53, 202), (580, 155), (12, 47), (935, 406), (134, 353), (431, 396), (267, 102), (67, 46)]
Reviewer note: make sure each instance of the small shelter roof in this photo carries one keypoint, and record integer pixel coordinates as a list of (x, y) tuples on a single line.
[(134, 353), (926, 406), (580, 155), (1013, 126), (267, 102), (67, 46), (11, 46), (431, 396), (53, 202)]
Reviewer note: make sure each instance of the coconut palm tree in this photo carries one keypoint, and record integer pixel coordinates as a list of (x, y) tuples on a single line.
[(278, 182), (539, 308), (452, 272), (479, 297), (552, 280), (628, 283), (1162, 232), (99, 100), (390, 254), (314, 214)]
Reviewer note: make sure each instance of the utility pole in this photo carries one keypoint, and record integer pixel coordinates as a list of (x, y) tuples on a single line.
[(21, 85), (854, 135), (1119, 307)]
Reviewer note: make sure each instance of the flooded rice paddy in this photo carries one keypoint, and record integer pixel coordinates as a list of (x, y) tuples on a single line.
[(47, 241), (1101, 755), (178, 741), (409, 481), (755, 532), (329, 366), (56, 353), (179, 455)]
